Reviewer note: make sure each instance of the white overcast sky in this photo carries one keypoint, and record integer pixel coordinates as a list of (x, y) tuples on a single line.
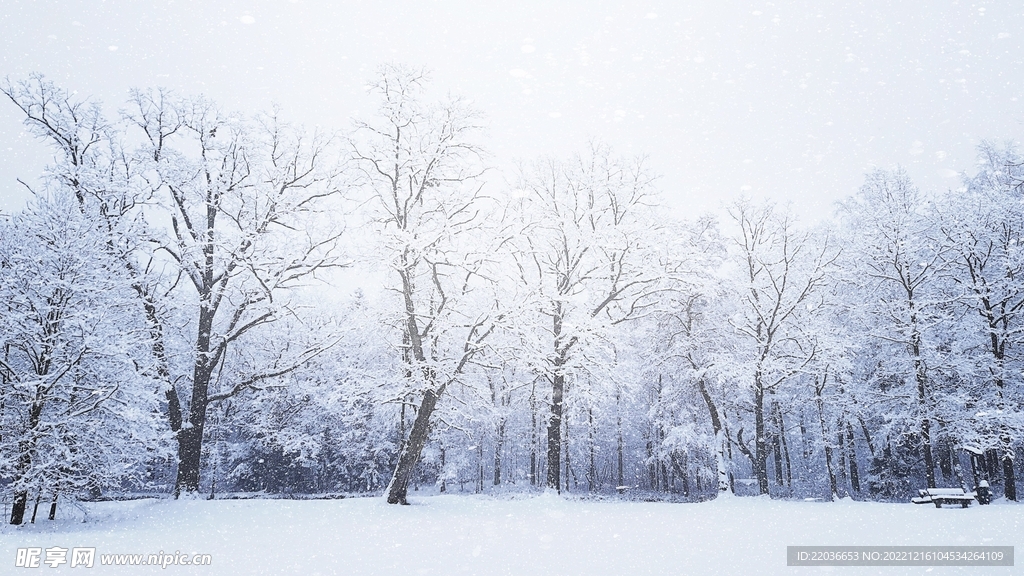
[(792, 100)]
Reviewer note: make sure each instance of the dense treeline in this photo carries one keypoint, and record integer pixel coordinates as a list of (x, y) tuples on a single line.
[(173, 319)]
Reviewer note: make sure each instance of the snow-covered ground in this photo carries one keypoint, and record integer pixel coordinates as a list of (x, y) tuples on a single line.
[(453, 535)]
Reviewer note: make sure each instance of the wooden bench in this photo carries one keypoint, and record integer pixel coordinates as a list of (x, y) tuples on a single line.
[(940, 496)]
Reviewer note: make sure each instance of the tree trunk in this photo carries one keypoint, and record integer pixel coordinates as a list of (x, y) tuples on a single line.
[(410, 454), (867, 436), (760, 442), (568, 472), (777, 454), (618, 438), (163, 371), (923, 399), (18, 506), (723, 477), (945, 460), (499, 444), (533, 434), (998, 349), (25, 462), (833, 489), (991, 464), (444, 483), (854, 471), (803, 439), (190, 449), (21, 496), (777, 444), (557, 392), (1009, 478), (35, 509), (785, 448), (957, 470), (190, 437), (926, 449), (683, 474), (412, 448), (975, 464), (720, 437), (480, 467), (554, 480), (841, 447), (592, 464)]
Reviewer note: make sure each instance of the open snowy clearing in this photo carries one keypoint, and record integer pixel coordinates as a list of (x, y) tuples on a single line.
[(454, 535)]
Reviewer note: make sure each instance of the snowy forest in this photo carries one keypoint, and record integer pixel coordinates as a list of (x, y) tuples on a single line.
[(198, 302)]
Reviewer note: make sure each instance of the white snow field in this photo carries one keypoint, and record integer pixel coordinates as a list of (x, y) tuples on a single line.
[(455, 535)]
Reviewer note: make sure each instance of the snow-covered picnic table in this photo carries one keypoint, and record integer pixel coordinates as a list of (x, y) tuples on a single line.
[(940, 496)]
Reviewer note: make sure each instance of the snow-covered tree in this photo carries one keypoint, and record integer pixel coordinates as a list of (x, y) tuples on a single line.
[(896, 259), (692, 338), (419, 170), (78, 399), (588, 254), (247, 205), (984, 225), (92, 163), (780, 270)]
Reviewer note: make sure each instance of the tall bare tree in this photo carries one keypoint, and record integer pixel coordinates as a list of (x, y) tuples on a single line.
[(899, 256), (77, 398), (782, 270), (587, 252), (984, 226), (245, 201), (92, 166), (421, 173)]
